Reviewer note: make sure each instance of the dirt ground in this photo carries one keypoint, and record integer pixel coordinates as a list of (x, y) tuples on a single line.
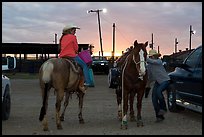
[(99, 113)]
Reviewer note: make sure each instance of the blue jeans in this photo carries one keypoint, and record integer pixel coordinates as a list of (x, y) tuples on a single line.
[(85, 69), (157, 96)]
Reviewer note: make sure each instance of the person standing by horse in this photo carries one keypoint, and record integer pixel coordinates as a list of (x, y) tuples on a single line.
[(157, 73), (69, 48)]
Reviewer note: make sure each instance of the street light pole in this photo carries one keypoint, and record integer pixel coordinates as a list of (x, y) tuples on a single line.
[(99, 26), (113, 52), (56, 42), (176, 42), (190, 37), (151, 44), (191, 32)]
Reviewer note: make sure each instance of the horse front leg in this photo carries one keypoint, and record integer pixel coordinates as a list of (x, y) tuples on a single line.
[(66, 102), (59, 98), (132, 116), (81, 98), (124, 123), (139, 108)]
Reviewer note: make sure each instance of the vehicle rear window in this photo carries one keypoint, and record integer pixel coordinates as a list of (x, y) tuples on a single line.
[(95, 58), (193, 59)]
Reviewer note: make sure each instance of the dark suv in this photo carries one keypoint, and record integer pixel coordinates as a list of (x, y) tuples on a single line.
[(185, 90)]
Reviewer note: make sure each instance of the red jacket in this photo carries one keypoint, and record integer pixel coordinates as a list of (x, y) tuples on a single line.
[(69, 46)]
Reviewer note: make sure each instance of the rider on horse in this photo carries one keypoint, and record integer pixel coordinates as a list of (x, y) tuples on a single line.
[(69, 48)]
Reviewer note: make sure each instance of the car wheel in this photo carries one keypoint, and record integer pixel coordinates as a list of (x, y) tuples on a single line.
[(171, 99), (110, 79), (6, 104)]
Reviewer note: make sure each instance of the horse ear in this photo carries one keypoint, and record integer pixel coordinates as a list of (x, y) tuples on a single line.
[(135, 43), (146, 43)]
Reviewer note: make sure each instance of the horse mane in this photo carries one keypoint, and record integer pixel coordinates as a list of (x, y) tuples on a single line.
[(120, 61), (132, 50)]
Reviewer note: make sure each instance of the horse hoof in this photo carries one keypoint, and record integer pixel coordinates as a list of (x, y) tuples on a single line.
[(140, 124), (45, 129), (81, 121), (123, 126), (59, 127), (132, 118), (62, 118)]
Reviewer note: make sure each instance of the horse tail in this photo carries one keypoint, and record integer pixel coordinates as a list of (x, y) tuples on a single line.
[(47, 70), (43, 110), (46, 77)]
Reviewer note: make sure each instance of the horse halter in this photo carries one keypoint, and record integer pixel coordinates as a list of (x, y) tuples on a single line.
[(142, 63)]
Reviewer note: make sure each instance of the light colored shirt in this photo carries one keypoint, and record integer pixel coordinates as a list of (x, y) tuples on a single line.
[(156, 71), (69, 46)]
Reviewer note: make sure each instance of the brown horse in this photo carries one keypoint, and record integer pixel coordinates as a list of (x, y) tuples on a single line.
[(133, 80), (66, 77)]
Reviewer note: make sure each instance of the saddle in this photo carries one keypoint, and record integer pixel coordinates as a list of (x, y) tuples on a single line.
[(75, 66)]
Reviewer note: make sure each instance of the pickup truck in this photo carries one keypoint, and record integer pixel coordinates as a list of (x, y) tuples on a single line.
[(185, 90), (8, 63)]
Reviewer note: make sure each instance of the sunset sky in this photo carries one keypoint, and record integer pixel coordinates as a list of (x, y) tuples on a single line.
[(37, 22)]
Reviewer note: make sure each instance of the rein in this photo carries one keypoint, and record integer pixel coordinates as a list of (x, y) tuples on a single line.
[(138, 61)]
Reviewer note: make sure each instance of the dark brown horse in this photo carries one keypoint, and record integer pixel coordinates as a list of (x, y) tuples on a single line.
[(133, 80), (66, 78)]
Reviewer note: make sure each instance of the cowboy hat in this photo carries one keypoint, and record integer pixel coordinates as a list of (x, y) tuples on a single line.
[(154, 53), (70, 26)]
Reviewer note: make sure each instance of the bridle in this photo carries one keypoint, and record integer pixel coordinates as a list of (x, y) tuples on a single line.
[(142, 60), (141, 74)]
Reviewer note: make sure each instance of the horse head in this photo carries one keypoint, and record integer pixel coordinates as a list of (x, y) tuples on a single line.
[(139, 56)]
